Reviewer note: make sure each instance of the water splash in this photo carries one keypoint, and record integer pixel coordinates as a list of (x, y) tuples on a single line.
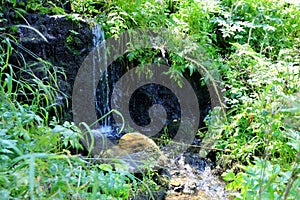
[(98, 35)]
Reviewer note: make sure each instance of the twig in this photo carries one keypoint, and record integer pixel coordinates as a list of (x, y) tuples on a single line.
[(293, 177)]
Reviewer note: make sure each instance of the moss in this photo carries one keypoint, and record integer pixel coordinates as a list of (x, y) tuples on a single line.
[(138, 151)]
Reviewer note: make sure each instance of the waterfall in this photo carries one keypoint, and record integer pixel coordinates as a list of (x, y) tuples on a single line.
[(98, 35), (102, 89)]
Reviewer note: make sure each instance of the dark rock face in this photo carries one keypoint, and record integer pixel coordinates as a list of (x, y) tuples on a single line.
[(146, 96), (64, 41)]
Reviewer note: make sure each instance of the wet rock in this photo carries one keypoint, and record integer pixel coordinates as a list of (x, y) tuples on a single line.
[(62, 40), (180, 196), (157, 195), (138, 152), (196, 161)]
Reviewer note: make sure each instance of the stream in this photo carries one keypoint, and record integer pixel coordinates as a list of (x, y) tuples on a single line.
[(193, 178)]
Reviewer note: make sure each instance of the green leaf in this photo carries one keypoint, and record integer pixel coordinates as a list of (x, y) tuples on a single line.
[(228, 176), (106, 167)]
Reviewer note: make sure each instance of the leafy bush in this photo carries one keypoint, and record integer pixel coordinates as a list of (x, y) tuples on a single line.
[(267, 26)]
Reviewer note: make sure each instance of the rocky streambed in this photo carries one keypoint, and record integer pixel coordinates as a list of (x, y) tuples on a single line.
[(183, 174), (192, 177)]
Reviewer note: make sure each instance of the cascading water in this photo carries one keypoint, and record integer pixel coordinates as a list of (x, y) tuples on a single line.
[(98, 35), (102, 92)]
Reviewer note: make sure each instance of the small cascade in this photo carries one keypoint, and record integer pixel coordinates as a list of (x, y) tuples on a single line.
[(103, 89), (98, 35), (107, 107)]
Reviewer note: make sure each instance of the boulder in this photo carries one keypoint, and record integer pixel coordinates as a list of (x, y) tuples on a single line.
[(137, 153)]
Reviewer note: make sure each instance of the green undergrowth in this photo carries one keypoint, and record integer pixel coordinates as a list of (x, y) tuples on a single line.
[(254, 46), (262, 131), (36, 162)]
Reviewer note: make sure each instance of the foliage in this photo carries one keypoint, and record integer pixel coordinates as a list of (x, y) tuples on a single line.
[(267, 26), (262, 88), (36, 162), (263, 180), (253, 45), (41, 6), (261, 93)]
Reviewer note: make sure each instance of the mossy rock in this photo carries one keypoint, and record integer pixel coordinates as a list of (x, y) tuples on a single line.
[(137, 153)]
